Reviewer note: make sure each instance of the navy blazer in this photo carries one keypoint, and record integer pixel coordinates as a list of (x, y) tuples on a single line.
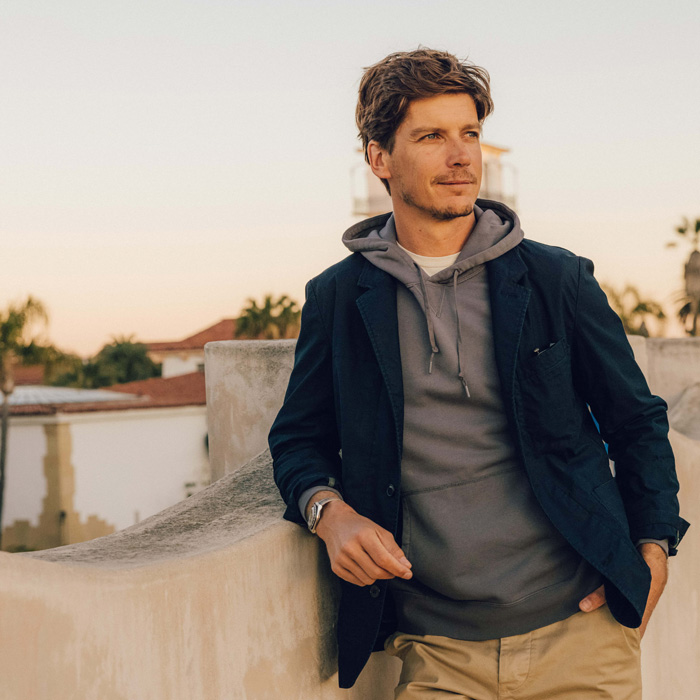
[(342, 420)]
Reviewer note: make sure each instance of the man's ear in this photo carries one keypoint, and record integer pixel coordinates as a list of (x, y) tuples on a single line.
[(379, 160)]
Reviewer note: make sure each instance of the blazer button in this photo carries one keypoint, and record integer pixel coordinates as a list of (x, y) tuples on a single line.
[(374, 591), (391, 490)]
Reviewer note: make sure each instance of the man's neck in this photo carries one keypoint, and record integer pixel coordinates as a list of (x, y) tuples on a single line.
[(432, 238)]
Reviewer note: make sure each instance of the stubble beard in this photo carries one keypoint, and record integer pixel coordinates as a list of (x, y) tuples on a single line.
[(446, 214)]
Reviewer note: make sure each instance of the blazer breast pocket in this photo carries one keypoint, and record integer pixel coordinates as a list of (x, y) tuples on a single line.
[(548, 397)]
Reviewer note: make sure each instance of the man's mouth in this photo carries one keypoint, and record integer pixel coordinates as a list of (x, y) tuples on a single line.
[(457, 181)]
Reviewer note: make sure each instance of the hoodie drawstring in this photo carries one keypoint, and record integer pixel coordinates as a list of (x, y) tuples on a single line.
[(434, 349), (459, 338)]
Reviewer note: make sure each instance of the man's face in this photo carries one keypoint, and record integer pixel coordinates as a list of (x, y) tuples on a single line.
[(434, 169)]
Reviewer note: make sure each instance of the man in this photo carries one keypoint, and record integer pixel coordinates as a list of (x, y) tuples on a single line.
[(437, 430)]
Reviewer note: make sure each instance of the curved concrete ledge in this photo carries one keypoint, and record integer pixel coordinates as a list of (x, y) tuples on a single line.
[(231, 509), (218, 598), (214, 598)]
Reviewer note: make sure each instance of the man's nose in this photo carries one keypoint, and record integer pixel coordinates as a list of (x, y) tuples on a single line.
[(458, 153)]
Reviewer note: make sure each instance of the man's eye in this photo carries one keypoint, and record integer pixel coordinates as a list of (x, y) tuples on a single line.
[(473, 134), (430, 137)]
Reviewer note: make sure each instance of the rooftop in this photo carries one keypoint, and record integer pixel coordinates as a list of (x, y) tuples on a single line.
[(45, 395), (223, 330), (28, 374), (159, 392)]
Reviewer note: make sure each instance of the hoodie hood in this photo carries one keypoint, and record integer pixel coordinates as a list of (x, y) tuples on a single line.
[(496, 231)]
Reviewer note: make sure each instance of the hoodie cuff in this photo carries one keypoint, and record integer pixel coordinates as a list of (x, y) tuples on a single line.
[(662, 543)]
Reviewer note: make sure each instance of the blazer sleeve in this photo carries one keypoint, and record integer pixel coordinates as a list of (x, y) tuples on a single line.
[(632, 421), (304, 440)]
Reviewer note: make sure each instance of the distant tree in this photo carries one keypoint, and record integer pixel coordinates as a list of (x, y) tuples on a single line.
[(15, 322), (122, 360), (689, 311), (274, 319), (128, 360), (55, 362), (633, 310)]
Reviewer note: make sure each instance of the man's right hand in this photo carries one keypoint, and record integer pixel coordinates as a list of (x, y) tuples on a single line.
[(360, 551)]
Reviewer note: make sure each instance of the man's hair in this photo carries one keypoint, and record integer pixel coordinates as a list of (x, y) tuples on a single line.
[(388, 87)]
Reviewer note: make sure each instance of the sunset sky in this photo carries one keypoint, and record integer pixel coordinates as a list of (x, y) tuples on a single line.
[(164, 160)]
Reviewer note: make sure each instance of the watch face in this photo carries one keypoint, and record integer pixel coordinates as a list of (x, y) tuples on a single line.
[(313, 518), (315, 515)]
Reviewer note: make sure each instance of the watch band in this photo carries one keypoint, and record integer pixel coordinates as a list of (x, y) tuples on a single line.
[(316, 509)]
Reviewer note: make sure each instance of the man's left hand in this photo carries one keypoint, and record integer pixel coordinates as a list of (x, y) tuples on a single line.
[(657, 561)]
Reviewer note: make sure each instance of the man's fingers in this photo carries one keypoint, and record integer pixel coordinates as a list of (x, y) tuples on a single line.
[(594, 600), (360, 550), (354, 557), (390, 543), (371, 567), (347, 575), (389, 555)]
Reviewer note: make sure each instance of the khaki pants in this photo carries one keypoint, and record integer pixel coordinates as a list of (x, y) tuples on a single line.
[(586, 656)]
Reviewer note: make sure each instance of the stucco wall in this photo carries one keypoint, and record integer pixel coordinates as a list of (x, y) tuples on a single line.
[(25, 484), (671, 646), (246, 381), (132, 464), (218, 598), (671, 365)]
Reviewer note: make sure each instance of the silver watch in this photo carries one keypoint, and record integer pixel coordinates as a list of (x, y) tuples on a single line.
[(316, 509)]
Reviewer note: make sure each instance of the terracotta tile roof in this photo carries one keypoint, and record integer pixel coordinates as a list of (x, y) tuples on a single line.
[(26, 375), (187, 389), (223, 330), (159, 392)]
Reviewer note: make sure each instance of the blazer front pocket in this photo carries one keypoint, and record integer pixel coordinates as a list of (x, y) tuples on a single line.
[(548, 397)]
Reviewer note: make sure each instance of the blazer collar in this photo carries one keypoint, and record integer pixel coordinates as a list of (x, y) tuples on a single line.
[(377, 307), (509, 293), (371, 277)]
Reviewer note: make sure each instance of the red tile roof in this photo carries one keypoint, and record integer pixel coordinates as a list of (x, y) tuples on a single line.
[(223, 330), (29, 375), (183, 390), (187, 389)]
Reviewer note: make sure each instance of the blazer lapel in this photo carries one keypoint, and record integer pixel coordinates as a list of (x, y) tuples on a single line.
[(377, 306), (509, 299)]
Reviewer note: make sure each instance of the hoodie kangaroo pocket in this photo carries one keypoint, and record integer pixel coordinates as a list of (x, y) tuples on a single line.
[(485, 540)]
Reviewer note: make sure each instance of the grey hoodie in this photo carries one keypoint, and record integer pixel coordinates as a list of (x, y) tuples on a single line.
[(487, 562)]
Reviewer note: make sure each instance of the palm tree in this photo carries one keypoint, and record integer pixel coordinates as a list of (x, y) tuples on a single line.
[(14, 324), (274, 319), (287, 317), (690, 297), (633, 310), (255, 321)]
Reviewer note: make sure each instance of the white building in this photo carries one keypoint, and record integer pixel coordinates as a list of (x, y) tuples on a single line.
[(187, 355), (85, 463)]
